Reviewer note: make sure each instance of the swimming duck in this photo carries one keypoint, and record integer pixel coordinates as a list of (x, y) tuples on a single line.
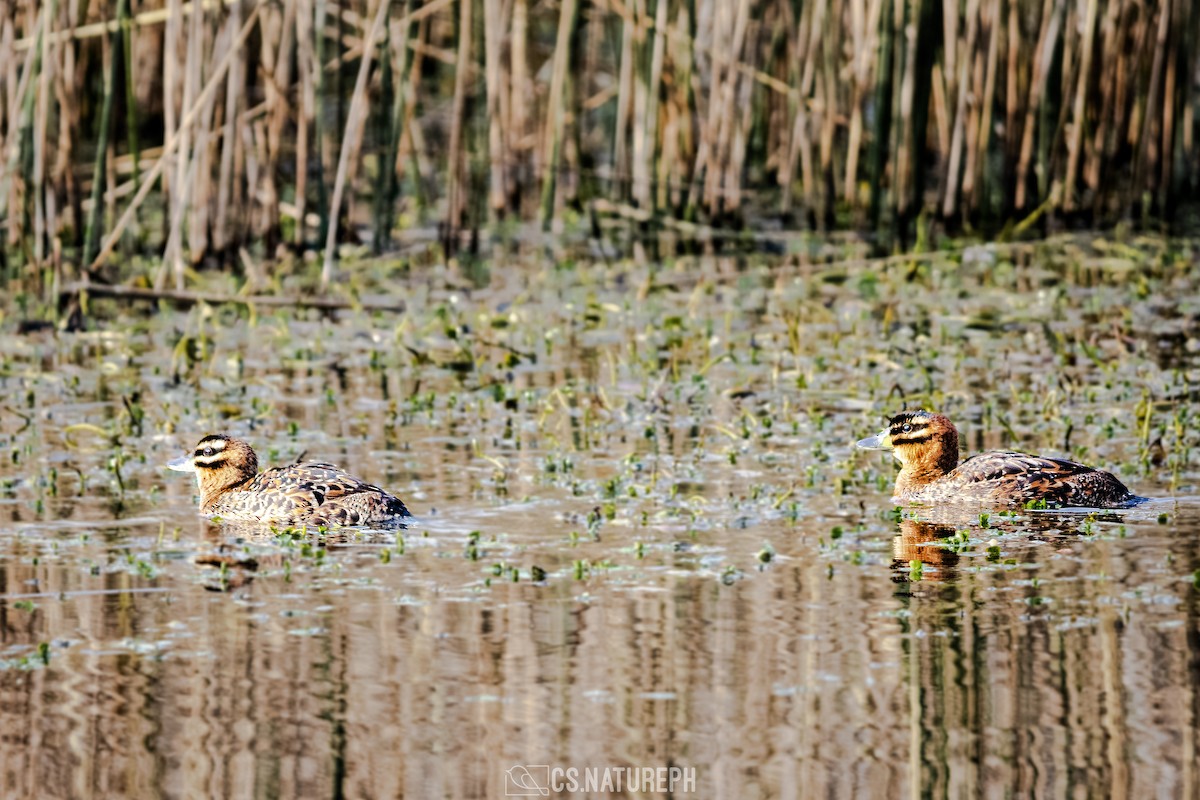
[(231, 487), (926, 445)]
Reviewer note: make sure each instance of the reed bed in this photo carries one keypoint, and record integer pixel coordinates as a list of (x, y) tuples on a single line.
[(222, 130)]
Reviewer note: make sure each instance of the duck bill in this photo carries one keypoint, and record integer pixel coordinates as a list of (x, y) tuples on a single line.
[(880, 441), (182, 464)]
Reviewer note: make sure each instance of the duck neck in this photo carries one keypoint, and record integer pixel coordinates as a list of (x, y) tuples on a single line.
[(209, 497), (928, 465), (211, 492)]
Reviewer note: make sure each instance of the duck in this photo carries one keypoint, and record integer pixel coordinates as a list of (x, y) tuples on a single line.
[(926, 445), (296, 495)]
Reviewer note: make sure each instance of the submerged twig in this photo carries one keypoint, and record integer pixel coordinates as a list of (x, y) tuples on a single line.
[(181, 296)]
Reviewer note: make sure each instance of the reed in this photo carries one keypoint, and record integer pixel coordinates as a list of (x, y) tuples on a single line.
[(92, 238), (982, 114), (354, 129), (556, 113)]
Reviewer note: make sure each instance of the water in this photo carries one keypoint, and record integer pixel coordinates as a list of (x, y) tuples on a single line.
[(668, 446)]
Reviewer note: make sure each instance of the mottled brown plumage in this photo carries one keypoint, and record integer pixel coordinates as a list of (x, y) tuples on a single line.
[(926, 445), (232, 488)]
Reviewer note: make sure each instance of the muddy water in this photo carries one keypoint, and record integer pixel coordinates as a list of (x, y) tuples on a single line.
[(642, 536)]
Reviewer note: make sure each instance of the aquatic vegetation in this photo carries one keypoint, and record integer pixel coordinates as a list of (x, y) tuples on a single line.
[(622, 462)]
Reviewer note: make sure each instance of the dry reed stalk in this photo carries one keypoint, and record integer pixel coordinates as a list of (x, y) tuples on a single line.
[(125, 24), (799, 146), (978, 80), (40, 125), (1154, 110), (391, 164), (199, 187), (7, 52), (638, 121), (1106, 122), (254, 148), (175, 237), (63, 172), (1132, 28), (883, 112), (1016, 75), (975, 180), (1052, 11), (222, 239), (172, 143), (385, 125), (307, 66), (668, 161), (1190, 102), (1075, 135), (831, 45), (953, 179), (682, 108), (8, 64), (926, 49), (621, 166), (906, 147), (641, 89), (742, 121), (455, 195), (941, 114), (722, 117), (703, 48), (185, 168), (171, 46), (265, 192), (727, 185), (664, 166), (720, 77), (496, 80), (110, 175), (100, 171), (319, 113), (645, 120), (520, 91), (861, 48), (413, 153), (552, 141), (657, 55), (279, 113), (982, 59), (12, 187), (951, 54), (355, 123), (1166, 174)]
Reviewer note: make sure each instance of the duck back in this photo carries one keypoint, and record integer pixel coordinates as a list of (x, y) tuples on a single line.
[(1017, 478), (308, 494)]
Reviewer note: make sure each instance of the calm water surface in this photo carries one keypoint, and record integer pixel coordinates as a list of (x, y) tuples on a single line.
[(643, 538)]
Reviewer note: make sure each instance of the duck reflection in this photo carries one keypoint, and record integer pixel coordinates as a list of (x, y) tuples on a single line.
[(928, 543), (939, 541)]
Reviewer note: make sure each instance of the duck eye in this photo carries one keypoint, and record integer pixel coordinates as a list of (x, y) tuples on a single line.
[(208, 451), (907, 428)]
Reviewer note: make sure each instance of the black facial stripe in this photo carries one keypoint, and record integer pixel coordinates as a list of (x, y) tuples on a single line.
[(211, 462), (911, 440)]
